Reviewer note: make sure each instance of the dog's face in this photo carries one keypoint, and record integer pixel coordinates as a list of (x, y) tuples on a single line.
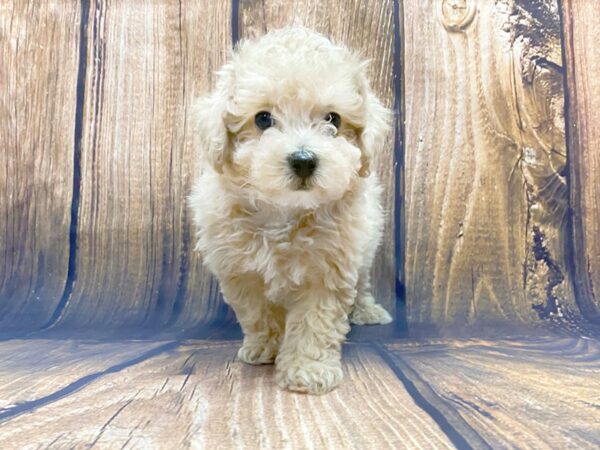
[(293, 121)]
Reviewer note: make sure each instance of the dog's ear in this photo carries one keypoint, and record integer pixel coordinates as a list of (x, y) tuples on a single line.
[(377, 125), (209, 114)]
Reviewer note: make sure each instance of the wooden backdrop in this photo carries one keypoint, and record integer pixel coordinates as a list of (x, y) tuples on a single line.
[(486, 190), (493, 204), (100, 152)]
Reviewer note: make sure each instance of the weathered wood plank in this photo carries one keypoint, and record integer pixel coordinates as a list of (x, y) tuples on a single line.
[(486, 194), (581, 21), (198, 397), (147, 61), (526, 393), (34, 369), (206, 52), (369, 28), (39, 46)]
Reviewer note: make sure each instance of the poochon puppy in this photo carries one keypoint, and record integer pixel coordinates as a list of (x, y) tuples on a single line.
[(286, 207)]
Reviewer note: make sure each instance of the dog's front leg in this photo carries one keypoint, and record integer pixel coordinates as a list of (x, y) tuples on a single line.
[(309, 359), (261, 321)]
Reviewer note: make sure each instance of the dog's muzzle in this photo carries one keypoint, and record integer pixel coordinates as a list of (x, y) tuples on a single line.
[(303, 163)]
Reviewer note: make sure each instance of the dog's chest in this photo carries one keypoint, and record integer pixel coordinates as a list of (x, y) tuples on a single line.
[(292, 249), (294, 236)]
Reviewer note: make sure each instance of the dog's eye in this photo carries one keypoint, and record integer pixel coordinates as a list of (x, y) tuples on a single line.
[(334, 119), (263, 120)]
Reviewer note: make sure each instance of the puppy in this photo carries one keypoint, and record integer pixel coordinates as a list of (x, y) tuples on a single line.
[(287, 211)]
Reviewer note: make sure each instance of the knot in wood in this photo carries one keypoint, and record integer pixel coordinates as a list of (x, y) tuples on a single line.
[(456, 15)]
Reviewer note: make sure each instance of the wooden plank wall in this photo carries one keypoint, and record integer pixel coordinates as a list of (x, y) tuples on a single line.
[(39, 52), (111, 124), (581, 22), (486, 189), (146, 63), (95, 118)]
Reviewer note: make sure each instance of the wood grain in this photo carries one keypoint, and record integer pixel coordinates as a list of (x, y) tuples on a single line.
[(38, 83), (522, 393), (142, 65), (33, 369), (199, 397), (147, 61), (200, 302), (486, 195), (367, 27), (528, 392), (581, 21)]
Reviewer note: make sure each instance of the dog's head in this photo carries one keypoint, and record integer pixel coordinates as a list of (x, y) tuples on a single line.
[(292, 120)]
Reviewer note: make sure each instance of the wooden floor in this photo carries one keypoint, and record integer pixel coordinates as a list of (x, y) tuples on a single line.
[(528, 393)]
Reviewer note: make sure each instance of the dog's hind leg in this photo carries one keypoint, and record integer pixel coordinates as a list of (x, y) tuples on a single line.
[(366, 311), (261, 321)]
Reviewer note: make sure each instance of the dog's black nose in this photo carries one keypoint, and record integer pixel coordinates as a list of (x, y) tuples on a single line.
[(303, 163)]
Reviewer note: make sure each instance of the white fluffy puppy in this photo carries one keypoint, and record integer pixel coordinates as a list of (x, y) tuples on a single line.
[(287, 212)]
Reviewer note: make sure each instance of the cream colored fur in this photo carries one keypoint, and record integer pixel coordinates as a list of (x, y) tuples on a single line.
[(294, 264)]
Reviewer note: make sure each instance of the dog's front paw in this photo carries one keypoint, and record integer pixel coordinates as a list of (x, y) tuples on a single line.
[(370, 314), (310, 377), (257, 352)]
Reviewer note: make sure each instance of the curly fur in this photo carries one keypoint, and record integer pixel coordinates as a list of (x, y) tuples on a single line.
[(293, 263)]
